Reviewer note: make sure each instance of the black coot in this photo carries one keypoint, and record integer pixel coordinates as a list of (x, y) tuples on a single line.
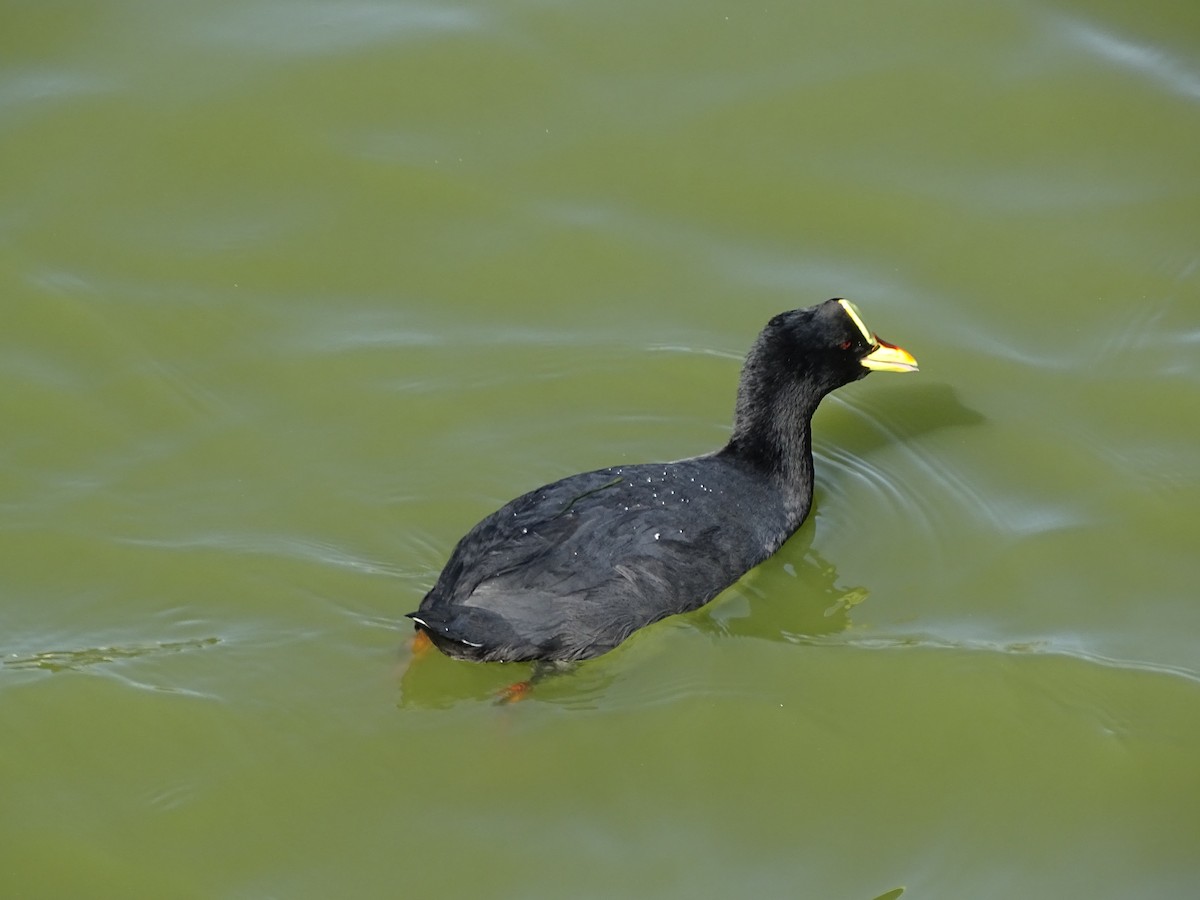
[(570, 570)]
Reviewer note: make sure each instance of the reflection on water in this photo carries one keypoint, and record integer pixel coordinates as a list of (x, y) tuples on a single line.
[(794, 593), (1144, 59), (75, 660), (779, 600)]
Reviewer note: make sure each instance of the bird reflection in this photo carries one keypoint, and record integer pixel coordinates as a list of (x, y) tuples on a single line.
[(791, 597)]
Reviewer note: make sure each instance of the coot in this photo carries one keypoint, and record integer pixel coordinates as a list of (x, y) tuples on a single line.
[(570, 570)]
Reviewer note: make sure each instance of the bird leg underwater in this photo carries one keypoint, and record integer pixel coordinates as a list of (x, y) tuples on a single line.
[(542, 669), (421, 644), (518, 690)]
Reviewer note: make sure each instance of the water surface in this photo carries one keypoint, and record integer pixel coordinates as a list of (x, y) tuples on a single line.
[(293, 294)]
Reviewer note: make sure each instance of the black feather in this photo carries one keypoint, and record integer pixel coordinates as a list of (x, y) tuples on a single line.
[(570, 570)]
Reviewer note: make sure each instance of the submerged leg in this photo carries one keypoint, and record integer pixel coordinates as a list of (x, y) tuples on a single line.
[(421, 643), (541, 669)]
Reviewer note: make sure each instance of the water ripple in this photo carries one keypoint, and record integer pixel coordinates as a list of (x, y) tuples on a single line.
[(317, 29), (36, 87), (83, 657), (1051, 646), (928, 489), (265, 544), (1148, 61)]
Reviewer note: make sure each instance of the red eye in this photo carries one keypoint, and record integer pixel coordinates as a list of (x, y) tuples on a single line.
[(846, 345)]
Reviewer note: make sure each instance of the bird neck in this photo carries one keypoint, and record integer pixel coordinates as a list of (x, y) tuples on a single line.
[(772, 432)]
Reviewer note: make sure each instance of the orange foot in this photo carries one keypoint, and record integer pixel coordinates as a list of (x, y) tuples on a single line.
[(421, 644), (514, 693)]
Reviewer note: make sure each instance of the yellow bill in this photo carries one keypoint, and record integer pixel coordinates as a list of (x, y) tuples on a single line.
[(889, 358)]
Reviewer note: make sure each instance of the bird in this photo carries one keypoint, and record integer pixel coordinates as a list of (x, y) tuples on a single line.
[(568, 571)]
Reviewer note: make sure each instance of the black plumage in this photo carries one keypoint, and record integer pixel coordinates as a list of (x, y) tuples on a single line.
[(571, 569)]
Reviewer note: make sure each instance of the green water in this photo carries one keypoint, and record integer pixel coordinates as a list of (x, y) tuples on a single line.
[(294, 293)]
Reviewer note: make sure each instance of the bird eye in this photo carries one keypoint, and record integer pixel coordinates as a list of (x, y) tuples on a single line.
[(846, 345)]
